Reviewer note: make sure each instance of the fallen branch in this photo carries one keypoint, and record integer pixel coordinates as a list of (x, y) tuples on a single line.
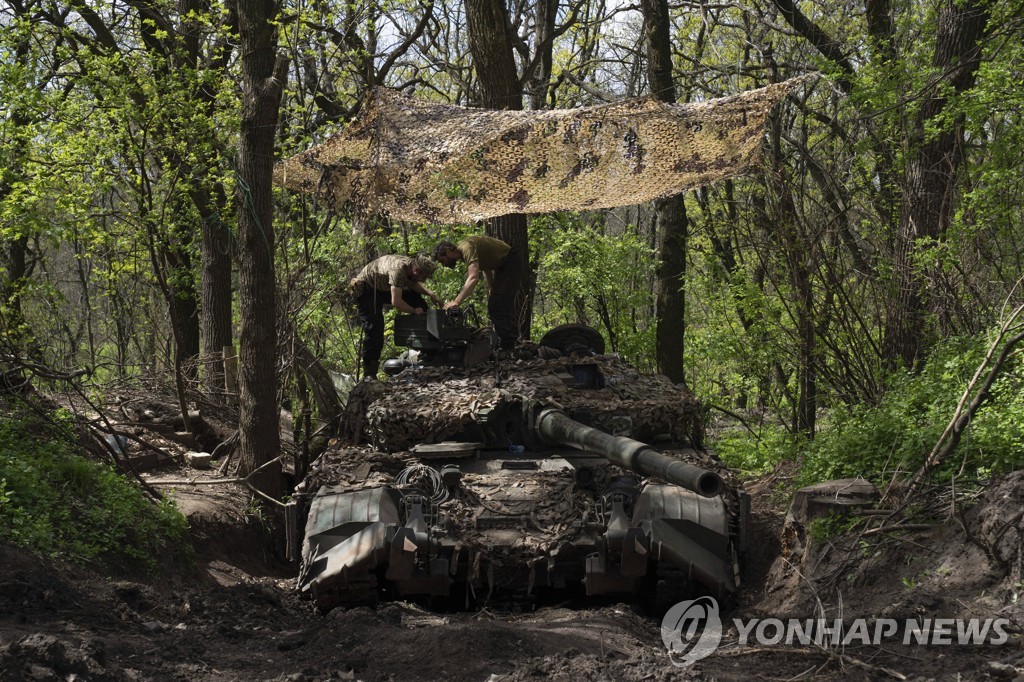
[(229, 444), (128, 436), (898, 528), (45, 372), (807, 651), (91, 427), (220, 481), (965, 410), (737, 417)]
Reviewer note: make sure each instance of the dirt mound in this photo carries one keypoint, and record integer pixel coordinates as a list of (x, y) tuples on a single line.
[(966, 561), (960, 565)]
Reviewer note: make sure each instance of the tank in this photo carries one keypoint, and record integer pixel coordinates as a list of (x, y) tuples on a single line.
[(557, 471)]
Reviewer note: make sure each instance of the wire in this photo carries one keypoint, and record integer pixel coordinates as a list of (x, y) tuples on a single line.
[(419, 476)]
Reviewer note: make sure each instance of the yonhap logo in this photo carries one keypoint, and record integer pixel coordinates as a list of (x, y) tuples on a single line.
[(691, 630)]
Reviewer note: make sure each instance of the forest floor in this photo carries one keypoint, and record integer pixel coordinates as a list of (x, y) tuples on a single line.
[(234, 614)]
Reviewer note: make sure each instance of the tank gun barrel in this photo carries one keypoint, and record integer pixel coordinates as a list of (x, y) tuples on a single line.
[(556, 427)]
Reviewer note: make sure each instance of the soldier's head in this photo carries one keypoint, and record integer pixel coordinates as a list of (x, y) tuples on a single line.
[(422, 267), (446, 254)]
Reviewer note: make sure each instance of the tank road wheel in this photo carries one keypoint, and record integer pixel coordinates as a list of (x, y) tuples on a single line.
[(664, 588), (333, 597)]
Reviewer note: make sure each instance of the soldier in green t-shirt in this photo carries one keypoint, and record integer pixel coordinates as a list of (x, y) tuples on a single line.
[(397, 280), (501, 267)]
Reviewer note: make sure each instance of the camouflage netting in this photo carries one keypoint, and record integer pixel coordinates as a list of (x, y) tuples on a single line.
[(351, 468), (426, 162), (434, 404)]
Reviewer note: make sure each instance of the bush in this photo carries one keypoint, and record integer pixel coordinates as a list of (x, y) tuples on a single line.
[(897, 434), (894, 436), (58, 503), (752, 455)]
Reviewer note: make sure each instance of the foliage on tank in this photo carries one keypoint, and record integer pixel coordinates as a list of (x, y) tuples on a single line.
[(433, 404)]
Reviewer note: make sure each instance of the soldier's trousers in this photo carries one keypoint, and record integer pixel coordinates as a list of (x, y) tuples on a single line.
[(370, 309), (501, 303)]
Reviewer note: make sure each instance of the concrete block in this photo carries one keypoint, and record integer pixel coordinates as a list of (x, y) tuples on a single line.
[(198, 460)]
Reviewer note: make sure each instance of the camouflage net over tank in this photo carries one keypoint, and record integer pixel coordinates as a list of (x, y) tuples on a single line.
[(425, 162), (433, 404)]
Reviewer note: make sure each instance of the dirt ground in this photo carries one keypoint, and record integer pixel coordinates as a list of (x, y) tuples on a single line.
[(235, 616)]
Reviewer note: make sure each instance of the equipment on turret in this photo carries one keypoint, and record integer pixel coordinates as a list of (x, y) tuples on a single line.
[(441, 338)]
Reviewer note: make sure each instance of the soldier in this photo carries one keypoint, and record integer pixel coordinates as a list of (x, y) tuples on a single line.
[(397, 280), (503, 270)]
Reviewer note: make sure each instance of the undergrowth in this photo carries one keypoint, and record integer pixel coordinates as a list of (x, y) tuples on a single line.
[(895, 435), (58, 503), (755, 454)]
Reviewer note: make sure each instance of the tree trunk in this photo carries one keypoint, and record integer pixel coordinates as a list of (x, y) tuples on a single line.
[(490, 43), (512, 230), (215, 279), (805, 409), (182, 300), (545, 15), (670, 333), (211, 201), (14, 271), (673, 225), (263, 76), (185, 316), (14, 268), (931, 176)]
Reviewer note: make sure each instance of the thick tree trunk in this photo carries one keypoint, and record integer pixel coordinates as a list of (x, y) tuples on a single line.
[(670, 334), (263, 80), (185, 316), (13, 271), (512, 230), (14, 268), (182, 301), (673, 226), (491, 46), (931, 176)]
